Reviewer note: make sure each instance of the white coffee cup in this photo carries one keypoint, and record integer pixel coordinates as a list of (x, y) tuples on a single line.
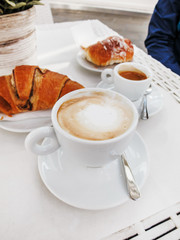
[(130, 88), (92, 153)]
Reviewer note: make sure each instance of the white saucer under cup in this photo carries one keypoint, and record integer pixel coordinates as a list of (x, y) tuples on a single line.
[(94, 188)]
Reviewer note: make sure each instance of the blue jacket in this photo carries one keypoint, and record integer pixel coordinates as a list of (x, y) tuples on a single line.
[(163, 40)]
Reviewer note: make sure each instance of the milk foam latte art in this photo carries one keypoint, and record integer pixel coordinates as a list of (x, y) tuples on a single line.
[(95, 116), (103, 123)]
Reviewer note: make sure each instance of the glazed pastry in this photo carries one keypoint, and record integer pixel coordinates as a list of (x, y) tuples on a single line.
[(112, 50), (30, 88)]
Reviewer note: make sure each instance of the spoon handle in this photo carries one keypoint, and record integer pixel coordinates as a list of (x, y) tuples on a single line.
[(144, 112), (130, 181)]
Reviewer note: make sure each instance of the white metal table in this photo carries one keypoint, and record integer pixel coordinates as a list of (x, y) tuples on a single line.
[(29, 211)]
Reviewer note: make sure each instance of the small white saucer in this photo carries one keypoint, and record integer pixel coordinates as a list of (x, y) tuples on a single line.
[(154, 100), (80, 57), (94, 188)]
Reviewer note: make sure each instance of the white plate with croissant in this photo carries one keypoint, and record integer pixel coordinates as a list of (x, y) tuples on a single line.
[(106, 53), (27, 96), (81, 59), (25, 125)]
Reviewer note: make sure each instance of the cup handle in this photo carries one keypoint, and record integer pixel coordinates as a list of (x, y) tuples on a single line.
[(107, 76), (34, 137)]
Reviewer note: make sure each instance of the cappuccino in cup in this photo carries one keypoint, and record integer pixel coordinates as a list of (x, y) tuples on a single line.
[(89, 125), (96, 116)]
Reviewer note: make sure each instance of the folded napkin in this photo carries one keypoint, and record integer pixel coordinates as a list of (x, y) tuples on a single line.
[(89, 32)]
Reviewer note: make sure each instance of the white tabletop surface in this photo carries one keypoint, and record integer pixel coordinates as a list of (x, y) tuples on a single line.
[(29, 211)]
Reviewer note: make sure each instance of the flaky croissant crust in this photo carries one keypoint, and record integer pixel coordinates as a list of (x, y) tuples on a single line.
[(30, 88)]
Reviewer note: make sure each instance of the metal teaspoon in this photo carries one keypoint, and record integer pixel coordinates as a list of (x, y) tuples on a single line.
[(144, 111), (130, 181)]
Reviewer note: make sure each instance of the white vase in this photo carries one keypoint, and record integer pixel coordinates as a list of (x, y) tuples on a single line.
[(17, 40)]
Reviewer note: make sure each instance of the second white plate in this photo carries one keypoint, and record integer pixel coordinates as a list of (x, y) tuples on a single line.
[(88, 65)]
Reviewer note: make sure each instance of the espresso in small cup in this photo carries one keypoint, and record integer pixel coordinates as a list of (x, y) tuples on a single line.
[(130, 79), (133, 75), (95, 116)]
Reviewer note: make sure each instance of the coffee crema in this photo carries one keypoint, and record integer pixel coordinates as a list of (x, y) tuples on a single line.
[(95, 116), (133, 75)]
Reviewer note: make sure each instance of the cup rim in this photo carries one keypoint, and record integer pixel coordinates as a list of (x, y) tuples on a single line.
[(86, 141), (147, 69)]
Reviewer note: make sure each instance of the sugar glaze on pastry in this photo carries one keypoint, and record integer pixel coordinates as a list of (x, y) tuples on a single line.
[(114, 49)]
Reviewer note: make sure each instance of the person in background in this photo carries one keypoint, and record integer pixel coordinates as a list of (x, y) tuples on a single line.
[(163, 39)]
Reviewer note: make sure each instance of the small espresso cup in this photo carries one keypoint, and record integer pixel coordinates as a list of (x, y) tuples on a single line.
[(82, 124), (130, 79)]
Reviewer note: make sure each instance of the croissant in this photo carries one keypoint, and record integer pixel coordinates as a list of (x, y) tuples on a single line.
[(112, 50), (30, 88)]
